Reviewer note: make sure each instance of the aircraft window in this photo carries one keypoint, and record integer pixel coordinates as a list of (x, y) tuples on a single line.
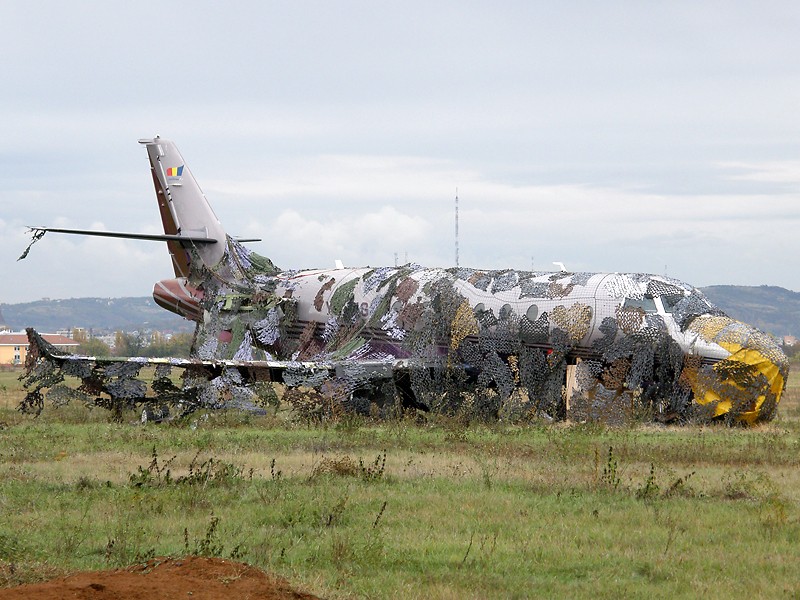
[(532, 313), (505, 311), (670, 302), (646, 304), (479, 308)]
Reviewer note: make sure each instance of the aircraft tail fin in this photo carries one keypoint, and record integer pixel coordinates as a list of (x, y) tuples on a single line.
[(185, 212)]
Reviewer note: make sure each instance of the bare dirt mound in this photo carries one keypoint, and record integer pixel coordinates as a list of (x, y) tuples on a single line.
[(192, 578)]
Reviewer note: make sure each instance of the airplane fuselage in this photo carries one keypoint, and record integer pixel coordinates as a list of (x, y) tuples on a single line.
[(493, 341)]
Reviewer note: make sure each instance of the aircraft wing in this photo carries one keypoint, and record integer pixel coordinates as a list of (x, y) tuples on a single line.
[(207, 383)]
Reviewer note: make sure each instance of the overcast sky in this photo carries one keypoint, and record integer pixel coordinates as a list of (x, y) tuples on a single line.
[(612, 136)]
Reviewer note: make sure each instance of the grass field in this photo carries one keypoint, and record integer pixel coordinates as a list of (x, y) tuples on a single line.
[(410, 510)]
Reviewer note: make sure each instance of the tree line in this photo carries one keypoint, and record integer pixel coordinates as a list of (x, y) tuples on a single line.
[(152, 344)]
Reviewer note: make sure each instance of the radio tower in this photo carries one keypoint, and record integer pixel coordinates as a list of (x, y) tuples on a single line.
[(456, 227)]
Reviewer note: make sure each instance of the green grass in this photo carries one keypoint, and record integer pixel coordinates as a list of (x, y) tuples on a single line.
[(484, 511)]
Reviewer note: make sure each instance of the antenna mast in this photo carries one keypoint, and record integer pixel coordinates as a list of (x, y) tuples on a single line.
[(456, 226)]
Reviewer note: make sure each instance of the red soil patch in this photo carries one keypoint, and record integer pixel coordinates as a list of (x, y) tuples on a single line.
[(190, 578)]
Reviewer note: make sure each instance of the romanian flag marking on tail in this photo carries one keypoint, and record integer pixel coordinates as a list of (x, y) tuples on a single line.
[(175, 171)]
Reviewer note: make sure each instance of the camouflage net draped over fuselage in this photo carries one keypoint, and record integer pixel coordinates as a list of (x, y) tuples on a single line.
[(487, 344)]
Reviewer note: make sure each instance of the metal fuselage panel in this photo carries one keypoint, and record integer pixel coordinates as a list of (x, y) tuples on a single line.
[(602, 293)]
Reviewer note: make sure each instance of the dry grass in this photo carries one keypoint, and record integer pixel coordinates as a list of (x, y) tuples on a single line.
[(454, 511)]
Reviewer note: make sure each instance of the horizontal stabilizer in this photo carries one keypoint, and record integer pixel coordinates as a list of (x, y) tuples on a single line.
[(160, 237)]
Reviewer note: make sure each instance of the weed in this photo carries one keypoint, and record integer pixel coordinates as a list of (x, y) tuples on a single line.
[(741, 486), (345, 466), (274, 475), (311, 407), (209, 545), (674, 527), (117, 553), (210, 472), (335, 514), (154, 475), (144, 555), (349, 423), (273, 489), (488, 470), (342, 550), (127, 528), (342, 467), (85, 483), (650, 489), (72, 533), (380, 514), (375, 471), (456, 427), (109, 549), (469, 548), (680, 486), (774, 516), (237, 553), (487, 546), (213, 472), (456, 435), (609, 477), (14, 573)]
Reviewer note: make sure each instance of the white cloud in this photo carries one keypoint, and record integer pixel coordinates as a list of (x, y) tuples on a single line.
[(770, 172), (620, 137)]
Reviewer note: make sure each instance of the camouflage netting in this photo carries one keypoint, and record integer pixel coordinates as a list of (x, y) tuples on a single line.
[(481, 344)]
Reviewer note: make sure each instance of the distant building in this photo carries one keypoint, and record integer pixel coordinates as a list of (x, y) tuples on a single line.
[(14, 346)]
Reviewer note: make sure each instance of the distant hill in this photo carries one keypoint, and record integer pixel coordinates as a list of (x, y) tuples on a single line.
[(774, 310), (99, 314)]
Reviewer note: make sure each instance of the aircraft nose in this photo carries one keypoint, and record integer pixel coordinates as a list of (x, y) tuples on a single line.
[(747, 385)]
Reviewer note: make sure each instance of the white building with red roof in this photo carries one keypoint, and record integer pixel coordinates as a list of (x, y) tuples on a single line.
[(14, 346)]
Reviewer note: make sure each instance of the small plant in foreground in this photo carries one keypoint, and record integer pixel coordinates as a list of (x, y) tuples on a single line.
[(743, 486), (374, 471), (335, 514), (345, 466), (274, 475), (154, 475), (650, 488), (380, 514), (680, 487), (209, 472), (209, 545), (213, 472), (609, 476)]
